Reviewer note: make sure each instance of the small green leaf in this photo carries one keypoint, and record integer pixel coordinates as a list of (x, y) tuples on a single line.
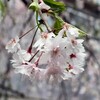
[(55, 5), (2, 9), (82, 33), (58, 24), (34, 6)]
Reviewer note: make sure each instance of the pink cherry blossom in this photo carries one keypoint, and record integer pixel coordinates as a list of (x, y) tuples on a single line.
[(13, 45)]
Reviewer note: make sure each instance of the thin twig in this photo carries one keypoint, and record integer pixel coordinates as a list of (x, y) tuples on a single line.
[(45, 23), (33, 56), (27, 32), (30, 47)]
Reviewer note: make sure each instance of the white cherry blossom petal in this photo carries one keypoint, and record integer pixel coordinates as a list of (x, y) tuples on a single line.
[(13, 45)]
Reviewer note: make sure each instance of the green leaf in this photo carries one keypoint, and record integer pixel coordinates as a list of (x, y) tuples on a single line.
[(55, 5), (58, 24), (2, 9), (34, 6), (82, 33)]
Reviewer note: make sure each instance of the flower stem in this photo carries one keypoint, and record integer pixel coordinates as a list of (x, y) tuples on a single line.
[(45, 23), (27, 32), (30, 47), (33, 56), (38, 59)]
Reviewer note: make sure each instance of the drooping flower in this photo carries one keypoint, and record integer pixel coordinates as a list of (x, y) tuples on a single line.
[(24, 55), (13, 45), (22, 65), (31, 70), (45, 37), (25, 68), (20, 57), (66, 55), (59, 57), (54, 50)]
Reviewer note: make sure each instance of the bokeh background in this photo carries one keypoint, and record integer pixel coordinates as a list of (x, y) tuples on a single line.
[(16, 19)]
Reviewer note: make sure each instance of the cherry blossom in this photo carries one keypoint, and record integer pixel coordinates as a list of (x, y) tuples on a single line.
[(45, 37), (61, 57), (58, 57), (25, 68), (13, 45), (58, 54), (20, 57), (54, 50)]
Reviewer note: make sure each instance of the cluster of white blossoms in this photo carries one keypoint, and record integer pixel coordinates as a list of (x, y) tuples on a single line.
[(52, 57), (56, 58)]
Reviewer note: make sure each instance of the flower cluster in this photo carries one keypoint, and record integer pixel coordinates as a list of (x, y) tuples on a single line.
[(56, 58), (52, 57)]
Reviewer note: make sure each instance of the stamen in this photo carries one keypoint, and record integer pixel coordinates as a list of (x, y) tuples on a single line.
[(72, 56)]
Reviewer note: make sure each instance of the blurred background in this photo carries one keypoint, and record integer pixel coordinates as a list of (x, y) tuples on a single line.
[(16, 19)]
